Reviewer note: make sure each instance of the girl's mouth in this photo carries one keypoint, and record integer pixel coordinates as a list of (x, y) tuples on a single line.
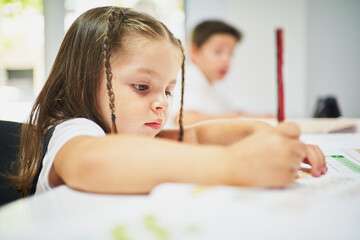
[(153, 125)]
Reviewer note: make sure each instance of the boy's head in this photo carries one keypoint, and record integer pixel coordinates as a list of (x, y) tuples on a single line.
[(212, 46)]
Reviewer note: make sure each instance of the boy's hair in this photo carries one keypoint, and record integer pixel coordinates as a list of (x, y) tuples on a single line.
[(71, 88), (203, 31)]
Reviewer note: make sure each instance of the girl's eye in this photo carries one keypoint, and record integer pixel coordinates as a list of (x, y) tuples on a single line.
[(141, 87), (168, 93)]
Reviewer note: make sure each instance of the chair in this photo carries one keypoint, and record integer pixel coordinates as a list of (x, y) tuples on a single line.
[(9, 146)]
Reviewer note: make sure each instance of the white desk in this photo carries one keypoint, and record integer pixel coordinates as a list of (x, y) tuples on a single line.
[(320, 125), (312, 208), (298, 212)]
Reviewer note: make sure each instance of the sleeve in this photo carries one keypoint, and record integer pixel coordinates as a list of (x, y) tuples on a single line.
[(62, 134)]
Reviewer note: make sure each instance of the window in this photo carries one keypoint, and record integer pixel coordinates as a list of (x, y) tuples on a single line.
[(22, 37), (21, 56)]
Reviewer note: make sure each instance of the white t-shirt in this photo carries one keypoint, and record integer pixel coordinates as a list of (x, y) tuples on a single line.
[(202, 97), (62, 134)]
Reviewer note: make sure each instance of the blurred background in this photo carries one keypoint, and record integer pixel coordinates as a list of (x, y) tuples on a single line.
[(322, 50)]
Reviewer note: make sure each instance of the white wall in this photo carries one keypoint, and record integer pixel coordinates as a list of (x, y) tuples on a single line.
[(333, 53), (254, 68), (199, 10), (253, 72), (322, 51), (54, 11)]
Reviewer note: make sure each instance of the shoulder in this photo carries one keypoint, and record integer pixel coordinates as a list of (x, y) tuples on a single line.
[(80, 125), (75, 127), (64, 132)]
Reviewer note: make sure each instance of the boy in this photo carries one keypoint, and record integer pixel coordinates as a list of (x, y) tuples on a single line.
[(212, 46)]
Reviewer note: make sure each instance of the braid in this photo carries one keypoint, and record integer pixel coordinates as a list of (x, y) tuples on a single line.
[(115, 17), (107, 43), (181, 125)]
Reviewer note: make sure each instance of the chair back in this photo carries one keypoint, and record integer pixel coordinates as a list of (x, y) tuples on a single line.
[(9, 147)]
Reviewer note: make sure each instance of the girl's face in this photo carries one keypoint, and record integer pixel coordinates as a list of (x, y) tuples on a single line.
[(144, 77), (214, 56)]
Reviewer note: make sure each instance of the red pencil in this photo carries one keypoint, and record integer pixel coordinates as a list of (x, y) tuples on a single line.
[(280, 82)]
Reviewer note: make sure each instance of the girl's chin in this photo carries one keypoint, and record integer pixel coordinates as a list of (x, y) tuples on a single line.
[(150, 134)]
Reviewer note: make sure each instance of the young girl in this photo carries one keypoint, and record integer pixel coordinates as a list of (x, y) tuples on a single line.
[(97, 124)]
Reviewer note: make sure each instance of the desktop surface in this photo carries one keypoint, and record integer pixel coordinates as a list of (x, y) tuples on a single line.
[(311, 208), (322, 208)]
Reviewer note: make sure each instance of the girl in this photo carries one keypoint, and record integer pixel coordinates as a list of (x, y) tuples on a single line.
[(97, 124)]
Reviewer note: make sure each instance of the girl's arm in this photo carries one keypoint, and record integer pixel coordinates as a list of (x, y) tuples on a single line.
[(230, 131), (191, 117), (219, 132), (135, 164), (227, 132)]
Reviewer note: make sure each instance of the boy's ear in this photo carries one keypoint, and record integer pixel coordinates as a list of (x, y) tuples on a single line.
[(194, 49)]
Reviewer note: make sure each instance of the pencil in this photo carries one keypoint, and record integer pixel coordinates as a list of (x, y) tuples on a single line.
[(280, 80)]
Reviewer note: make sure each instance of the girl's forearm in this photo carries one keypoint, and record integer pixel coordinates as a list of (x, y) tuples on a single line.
[(225, 132), (192, 117), (132, 164), (219, 131)]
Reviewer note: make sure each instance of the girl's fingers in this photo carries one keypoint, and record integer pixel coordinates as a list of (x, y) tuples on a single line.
[(321, 158), (289, 129), (312, 159), (316, 159)]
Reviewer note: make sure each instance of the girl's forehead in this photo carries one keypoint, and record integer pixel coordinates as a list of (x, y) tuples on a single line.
[(143, 46), (159, 56)]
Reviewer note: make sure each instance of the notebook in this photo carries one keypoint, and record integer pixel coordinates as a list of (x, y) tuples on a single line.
[(342, 151)]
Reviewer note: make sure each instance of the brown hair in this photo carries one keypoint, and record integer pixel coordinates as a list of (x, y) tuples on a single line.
[(203, 31), (71, 88)]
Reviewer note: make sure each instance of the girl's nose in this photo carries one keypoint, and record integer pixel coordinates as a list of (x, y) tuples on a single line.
[(160, 103)]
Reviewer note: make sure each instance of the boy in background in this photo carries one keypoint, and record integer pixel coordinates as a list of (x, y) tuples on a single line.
[(212, 46)]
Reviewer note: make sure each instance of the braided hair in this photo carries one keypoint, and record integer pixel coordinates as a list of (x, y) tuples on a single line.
[(181, 124), (71, 88), (107, 54), (120, 18)]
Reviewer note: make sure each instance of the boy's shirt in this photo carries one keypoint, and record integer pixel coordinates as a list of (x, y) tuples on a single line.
[(200, 96)]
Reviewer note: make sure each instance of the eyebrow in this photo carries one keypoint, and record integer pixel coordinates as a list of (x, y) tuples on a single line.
[(173, 82), (153, 73), (147, 71)]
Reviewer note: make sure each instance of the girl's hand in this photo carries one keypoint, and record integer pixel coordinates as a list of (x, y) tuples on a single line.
[(316, 159), (269, 158)]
